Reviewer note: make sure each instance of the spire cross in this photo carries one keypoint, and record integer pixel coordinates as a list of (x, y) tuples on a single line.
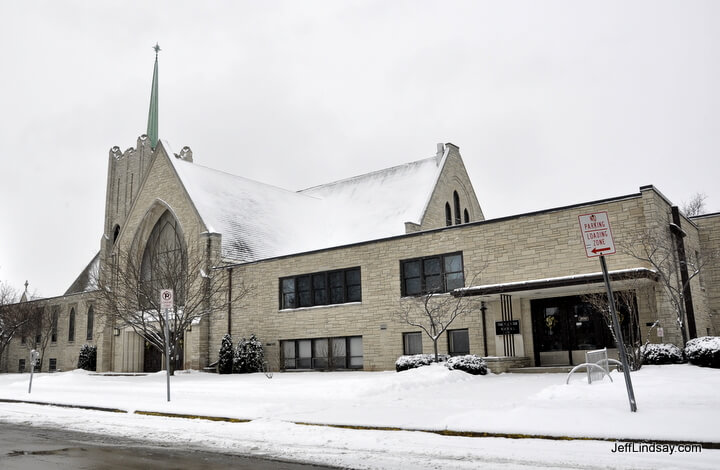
[(157, 49)]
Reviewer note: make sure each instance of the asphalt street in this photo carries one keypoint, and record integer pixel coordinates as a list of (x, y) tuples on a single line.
[(30, 448)]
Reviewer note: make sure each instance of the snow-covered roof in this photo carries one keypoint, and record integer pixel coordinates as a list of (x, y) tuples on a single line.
[(259, 221), (560, 281), (85, 282)]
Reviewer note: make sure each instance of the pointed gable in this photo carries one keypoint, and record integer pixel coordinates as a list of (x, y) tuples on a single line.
[(260, 221)]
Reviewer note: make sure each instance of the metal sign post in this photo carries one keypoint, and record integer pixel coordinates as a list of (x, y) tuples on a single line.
[(598, 241), (166, 304), (33, 357)]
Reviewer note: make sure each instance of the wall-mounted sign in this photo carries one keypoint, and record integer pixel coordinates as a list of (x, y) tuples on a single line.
[(507, 327)]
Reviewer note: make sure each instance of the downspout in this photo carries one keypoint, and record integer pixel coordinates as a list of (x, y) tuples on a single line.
[(229, 312), (483, 309), (678, 233)]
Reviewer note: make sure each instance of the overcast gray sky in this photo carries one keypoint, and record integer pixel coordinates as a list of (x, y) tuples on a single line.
[(551, 102)]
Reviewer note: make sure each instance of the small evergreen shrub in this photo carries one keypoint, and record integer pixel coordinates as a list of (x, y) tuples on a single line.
[(225, 361), (417, 360), (249, 356), (88, 357), (470, 363), (704, 351), (664, 353)]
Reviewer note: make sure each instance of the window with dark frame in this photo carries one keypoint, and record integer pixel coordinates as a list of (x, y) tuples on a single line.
[(90, 323), (466, 215), (412, 343), (432, 274), (323, 288), (52, 365), (345, 352), (54, 326), (448, 215), (456, 202), (71, 326), (21, 365), (458, 342)]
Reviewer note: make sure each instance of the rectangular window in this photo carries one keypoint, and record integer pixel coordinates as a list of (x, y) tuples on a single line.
[(323, 353), (53, 364), (54, 326), (458, 342), (320, 353), (432, 274), (324, 288), (412, 343), (21, 365)]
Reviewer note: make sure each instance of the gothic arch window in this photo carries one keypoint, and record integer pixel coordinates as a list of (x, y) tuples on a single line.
[(71, 326), (116, 233), (448, 215), (90, 323), (467, 216), (164, 261), (456, 201)]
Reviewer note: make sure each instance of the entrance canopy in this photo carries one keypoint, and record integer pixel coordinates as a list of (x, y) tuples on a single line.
[(556, 285)]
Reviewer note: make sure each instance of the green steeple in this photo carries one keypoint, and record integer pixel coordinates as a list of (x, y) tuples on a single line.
[(152, 125)]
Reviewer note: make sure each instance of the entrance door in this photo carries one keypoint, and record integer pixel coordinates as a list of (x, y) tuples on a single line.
[(152, 360), (564, 328), (550, 333)]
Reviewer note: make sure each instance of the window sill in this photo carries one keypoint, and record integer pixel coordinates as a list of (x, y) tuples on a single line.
[(418, 296), (318, 307)]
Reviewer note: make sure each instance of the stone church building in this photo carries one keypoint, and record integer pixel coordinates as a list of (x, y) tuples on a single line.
[(327, 268)]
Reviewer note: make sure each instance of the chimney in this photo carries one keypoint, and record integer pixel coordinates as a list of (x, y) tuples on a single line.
[(440, 152)]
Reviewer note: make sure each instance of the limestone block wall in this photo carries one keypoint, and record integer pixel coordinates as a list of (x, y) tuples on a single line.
[(709, 279), (453, 177), (532, 246), (162, 190), (66, 352)]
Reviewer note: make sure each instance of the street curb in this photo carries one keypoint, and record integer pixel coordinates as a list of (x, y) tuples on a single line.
[(61, 405), (442, 432), (178, 415)]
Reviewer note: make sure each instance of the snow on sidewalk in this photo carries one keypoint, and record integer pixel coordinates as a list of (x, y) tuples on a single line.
[(676, 402)]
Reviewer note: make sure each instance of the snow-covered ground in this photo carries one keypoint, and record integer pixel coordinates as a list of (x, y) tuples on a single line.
[(675, 402)]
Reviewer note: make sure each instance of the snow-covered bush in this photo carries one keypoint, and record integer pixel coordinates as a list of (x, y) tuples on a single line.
[(470, 363), (225, 361), (249, 356), (664, 353), (417, 360), (88, 357), (704, 351)]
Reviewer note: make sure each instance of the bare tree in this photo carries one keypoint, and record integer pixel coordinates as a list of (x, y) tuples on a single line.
[(626, 307), (695, 206), (659, 249), (37, 327), (11, 317), (434, 312), (129, 293)]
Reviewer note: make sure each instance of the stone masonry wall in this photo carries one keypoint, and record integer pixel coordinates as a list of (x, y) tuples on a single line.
[(709, 278), (532, 246)]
